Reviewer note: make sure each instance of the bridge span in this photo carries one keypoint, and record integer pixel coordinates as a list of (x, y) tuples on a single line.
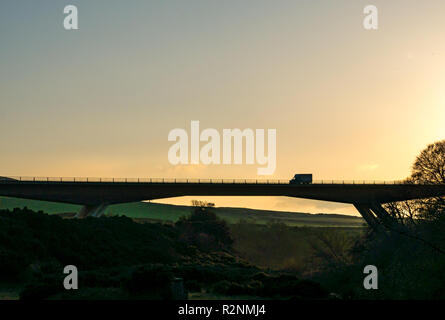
[(95, 194)]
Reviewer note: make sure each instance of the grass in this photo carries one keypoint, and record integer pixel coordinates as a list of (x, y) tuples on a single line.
[(171, 213)]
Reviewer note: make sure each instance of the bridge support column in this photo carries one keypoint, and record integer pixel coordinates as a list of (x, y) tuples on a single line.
[(92, 211), (375, 215), (382, 214), (367, 214)]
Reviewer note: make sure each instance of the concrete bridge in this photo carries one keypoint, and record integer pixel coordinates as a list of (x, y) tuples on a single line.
[(95, 194)]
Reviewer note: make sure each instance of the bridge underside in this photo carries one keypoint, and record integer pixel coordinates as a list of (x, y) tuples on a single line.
[(95, 196)]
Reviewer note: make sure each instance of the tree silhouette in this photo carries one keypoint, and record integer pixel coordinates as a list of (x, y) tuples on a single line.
[(205, 230), (428, 168)]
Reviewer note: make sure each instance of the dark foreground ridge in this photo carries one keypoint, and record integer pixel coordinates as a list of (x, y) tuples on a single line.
[(118, 258)]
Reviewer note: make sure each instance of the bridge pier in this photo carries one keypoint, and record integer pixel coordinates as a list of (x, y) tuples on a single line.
[(92, 211), (375, 215), (382, 214), (368, 215)]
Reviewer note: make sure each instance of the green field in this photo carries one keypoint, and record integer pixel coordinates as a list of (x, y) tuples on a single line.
[(171, 213)]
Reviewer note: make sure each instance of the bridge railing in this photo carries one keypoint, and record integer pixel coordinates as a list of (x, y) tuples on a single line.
[(185, 180)]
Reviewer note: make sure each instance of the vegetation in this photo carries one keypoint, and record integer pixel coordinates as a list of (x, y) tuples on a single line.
[(409, 251), (205, 230), (122, 258), (295, 249)]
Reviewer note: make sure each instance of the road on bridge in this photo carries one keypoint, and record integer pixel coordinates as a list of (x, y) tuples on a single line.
[(96, 194)]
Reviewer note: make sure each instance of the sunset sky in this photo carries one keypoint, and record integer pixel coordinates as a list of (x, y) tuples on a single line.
[(347, 103)]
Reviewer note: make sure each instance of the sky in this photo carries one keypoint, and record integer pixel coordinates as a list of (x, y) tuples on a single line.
[(347, 103)]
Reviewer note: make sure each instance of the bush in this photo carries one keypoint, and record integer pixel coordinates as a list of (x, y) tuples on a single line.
[(12, 265), (43, 288), (27, 237), (152, 281), (205, 230)]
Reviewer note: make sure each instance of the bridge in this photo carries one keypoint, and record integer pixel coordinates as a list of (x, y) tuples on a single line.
[(95, 194)]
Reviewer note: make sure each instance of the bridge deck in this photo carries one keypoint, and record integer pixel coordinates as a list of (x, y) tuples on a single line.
[(87, 191), (186, 180)]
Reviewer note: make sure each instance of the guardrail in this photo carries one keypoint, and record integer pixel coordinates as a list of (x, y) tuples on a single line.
[(183, 180)]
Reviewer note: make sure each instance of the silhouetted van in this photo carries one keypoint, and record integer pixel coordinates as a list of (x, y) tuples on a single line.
[(300, 178)]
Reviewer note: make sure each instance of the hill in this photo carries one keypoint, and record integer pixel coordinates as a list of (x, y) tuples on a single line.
[(171, 213)]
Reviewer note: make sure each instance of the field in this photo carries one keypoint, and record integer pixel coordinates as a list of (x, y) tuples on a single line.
[(171, 213)]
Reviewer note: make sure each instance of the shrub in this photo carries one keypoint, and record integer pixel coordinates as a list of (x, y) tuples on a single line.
[(153, 281), (205, 230)]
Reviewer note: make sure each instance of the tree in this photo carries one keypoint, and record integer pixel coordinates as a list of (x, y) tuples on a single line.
[(205, 230), (203, 204), (428, 168)]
